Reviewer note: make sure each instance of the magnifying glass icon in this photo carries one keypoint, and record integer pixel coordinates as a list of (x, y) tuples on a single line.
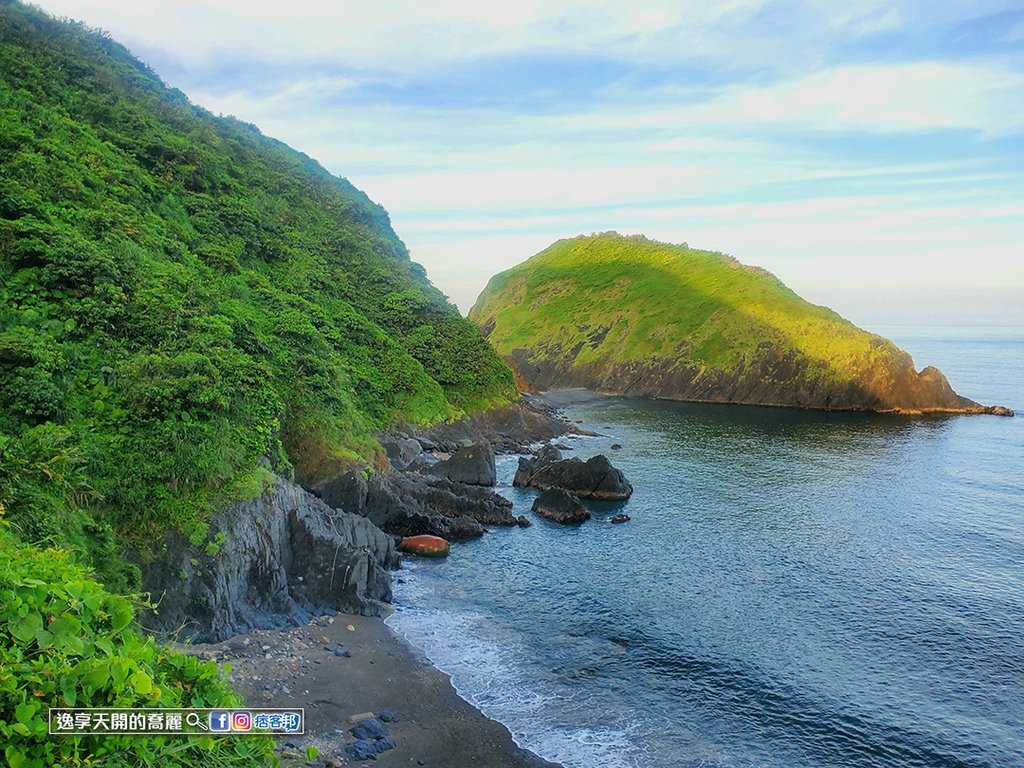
[(195, 721)]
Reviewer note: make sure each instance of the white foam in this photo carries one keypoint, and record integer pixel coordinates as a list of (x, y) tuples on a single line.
[(483, 673)]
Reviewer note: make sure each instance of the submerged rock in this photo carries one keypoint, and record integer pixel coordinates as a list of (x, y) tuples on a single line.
[(561, 506), (472, 465), (595, 478)]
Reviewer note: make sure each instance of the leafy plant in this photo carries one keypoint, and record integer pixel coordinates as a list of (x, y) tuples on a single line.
[(186, 301), (67, 642)]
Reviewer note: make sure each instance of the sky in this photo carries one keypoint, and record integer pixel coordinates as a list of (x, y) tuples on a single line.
[(869, 154)]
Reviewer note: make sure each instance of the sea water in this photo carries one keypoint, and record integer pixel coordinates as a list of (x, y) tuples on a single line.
[(794, 588)]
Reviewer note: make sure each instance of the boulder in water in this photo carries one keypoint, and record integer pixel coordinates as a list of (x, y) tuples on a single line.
[(595, 478), (560, 506)]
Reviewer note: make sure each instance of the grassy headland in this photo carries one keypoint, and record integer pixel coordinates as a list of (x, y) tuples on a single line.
[(635, 316)]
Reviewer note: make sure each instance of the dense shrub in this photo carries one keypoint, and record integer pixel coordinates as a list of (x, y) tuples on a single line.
[(181, 297), (65, 641)]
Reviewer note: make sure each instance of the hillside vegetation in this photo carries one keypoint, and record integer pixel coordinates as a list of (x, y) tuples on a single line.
[(185, 304), (634, 316)]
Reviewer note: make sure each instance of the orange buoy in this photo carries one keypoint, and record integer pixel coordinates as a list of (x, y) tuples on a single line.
[(429, 546)]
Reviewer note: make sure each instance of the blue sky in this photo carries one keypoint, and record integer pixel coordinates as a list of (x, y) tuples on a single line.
[(871, 158)]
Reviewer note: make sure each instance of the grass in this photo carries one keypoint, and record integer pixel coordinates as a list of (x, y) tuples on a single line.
[(662, 302)]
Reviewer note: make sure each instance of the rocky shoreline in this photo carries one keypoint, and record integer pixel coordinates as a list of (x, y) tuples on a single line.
[(291, 587)]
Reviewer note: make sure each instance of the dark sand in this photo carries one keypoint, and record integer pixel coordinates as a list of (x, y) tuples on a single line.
[(433, 726)]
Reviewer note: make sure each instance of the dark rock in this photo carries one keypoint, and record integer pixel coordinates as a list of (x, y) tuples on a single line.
[(387, 716), (285, 555), (620, 519), (427, 444), (401, 451), (595, 478), (422, 463), (472, 465), (411, 504), (560, 506), (508, 428), (369, 729), (523, 521), (383, 745), (616, 446), (361, 749)]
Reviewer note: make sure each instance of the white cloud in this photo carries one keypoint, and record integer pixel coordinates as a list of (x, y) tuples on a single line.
[(884, 98), (410, 35), (474, 189)]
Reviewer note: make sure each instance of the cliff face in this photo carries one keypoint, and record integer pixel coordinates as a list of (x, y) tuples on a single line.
[(280, 559), (627, 315)]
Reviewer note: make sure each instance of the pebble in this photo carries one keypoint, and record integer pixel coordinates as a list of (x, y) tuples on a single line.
[(265, 648), (387, 716)]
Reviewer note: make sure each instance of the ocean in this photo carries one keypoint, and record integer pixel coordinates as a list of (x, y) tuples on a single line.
[(794, 588)]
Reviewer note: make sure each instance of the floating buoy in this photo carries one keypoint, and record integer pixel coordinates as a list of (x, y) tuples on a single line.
[(620, 519), (428, 546)]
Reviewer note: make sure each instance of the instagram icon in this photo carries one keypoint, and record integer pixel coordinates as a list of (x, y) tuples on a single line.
[(241, 721)]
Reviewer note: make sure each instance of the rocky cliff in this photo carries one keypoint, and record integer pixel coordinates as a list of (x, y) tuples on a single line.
[(270, 562), (631, 316)]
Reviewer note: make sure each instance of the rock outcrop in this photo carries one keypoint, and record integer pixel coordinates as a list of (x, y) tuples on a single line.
[(270, 562), (472, 465), (631, 316), (594, 478), (560, 506), (410, 504), (508, 428)]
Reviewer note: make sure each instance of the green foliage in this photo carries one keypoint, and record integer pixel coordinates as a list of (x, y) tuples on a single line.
[(610, 299), (65, 641), (182, 297)]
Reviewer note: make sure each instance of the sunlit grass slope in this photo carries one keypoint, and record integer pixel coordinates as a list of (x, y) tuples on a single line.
[(618, 312)]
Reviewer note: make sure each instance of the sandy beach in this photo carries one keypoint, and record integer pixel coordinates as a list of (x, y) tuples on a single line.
[(433, 726)]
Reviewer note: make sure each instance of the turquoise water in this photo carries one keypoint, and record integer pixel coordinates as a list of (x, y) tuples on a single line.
[(794, 589)]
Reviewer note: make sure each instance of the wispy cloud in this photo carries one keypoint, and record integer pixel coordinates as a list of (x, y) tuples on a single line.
[(829, 143)]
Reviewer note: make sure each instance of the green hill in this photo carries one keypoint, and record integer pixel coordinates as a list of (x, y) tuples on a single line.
[(185, 303), (629, 315)]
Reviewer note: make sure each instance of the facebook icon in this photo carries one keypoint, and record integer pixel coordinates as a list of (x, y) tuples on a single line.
[(220, 720)]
